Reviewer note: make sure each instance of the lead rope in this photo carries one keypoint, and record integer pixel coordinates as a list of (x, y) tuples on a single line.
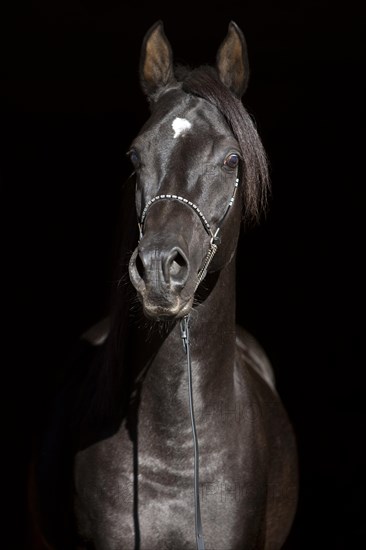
[(184, 329)]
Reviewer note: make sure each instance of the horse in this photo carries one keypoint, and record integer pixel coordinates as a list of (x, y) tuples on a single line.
[(172, 434)]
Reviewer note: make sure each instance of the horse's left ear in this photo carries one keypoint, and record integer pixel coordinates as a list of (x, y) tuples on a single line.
[(232, 61), (156, 61)]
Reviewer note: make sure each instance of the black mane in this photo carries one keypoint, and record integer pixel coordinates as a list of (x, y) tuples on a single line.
[(204, 82)]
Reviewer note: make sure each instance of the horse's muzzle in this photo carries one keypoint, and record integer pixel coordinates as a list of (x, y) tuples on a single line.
[(159, 276)]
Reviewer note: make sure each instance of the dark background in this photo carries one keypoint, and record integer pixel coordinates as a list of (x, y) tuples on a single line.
[(71, 104)]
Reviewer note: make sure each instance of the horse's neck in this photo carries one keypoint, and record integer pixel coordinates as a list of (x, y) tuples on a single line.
[(212, 347)]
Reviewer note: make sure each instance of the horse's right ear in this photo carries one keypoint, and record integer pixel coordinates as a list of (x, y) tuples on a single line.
[(156, 61), (232, 61)]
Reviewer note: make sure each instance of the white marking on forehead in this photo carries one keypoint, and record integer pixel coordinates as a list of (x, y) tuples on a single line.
[(179, 125)]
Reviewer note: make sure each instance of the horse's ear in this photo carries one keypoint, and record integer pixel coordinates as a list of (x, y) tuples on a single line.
[(156, 62), (232, 61)]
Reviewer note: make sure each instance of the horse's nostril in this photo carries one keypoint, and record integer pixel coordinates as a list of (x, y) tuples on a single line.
[(176, 264), (139, 267), (177, 267)]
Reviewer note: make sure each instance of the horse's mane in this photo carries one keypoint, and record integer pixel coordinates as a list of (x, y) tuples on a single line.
[(111, 381), (204, 82)]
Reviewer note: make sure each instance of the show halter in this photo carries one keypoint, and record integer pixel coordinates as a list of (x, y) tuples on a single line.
[(184, 329), (213, 234)]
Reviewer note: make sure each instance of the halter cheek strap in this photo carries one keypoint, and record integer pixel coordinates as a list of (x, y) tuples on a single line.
[(214, 240)]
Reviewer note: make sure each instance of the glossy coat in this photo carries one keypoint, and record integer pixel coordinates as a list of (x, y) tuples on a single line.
[(130, 466)]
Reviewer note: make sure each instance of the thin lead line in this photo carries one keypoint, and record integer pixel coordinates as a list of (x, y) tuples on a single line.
[(200, 542)]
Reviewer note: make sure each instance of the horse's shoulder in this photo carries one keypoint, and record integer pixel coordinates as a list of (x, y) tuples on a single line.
[(250, 352)]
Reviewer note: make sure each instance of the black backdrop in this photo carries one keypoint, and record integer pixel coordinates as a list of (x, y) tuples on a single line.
[(71, 103)]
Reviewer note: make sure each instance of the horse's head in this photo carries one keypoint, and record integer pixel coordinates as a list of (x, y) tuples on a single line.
[(196, 150)]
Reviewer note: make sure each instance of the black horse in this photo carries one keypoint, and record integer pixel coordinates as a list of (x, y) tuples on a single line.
[(173, 435)]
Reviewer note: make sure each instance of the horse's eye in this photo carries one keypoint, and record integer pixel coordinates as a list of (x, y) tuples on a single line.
[(134, 158), (232, 160)]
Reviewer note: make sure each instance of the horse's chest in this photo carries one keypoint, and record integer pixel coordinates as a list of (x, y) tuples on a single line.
[(122, 500)]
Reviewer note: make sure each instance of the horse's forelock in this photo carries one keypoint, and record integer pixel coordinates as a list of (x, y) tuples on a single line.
[(204, 82)]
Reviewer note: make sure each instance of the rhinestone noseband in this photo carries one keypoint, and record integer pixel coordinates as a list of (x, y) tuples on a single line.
[(213, 234), (205, 223)]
